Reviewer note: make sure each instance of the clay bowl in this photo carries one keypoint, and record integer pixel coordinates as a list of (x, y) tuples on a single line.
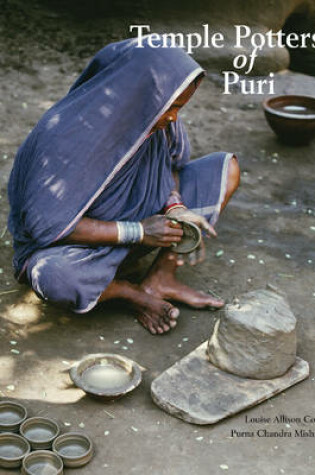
[(12, 415), (13, 448), (190, 240), (74, 448), (42, 462), (108, 376), (40, 432), (292, 118)]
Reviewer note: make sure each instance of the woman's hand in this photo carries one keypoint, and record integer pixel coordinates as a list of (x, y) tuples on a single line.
[(160, 231), (184, 214)]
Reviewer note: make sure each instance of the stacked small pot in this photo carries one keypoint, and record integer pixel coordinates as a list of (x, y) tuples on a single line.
[(39, 443)]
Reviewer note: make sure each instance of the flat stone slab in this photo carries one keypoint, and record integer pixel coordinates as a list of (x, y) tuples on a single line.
[(198, 392)]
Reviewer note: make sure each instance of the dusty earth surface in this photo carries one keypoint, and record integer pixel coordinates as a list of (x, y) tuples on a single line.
[(265, 236)]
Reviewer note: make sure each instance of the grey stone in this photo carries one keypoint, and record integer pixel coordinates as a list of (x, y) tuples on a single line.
[(255, 337), (197, 392)]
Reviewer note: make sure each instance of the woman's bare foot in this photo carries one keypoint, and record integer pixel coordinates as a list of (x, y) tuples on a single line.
[(152, 312), (161, 283), (155, 314)]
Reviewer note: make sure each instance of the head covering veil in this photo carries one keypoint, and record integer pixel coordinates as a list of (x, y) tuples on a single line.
[(81, 143)]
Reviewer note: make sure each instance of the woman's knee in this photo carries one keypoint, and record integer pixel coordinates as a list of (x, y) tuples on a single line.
[(234, 175), (233, 180), (50, 279)]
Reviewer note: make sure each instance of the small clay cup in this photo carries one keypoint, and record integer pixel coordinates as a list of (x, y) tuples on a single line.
[(74, 448), (13, 448), (42, 462), (40, 432), (12, 415), (190, 240)]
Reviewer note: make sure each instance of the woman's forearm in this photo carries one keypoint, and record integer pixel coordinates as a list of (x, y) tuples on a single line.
[(93, 232), (154, 231)]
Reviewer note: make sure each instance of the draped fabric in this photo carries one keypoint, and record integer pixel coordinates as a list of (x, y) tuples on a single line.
[(90, 154), (76, 275)]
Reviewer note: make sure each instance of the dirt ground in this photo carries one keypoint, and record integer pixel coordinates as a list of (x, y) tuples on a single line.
[(266, 235)]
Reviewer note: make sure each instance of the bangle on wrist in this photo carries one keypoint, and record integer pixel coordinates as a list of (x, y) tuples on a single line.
[(129, 232), (141, 232), (174, 206), (173, 198)]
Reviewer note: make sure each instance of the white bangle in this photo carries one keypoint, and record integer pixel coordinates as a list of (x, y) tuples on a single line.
[(129, 232), (141, 232), (118, 232)]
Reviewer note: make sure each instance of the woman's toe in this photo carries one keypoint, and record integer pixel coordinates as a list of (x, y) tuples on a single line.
[(148, 325), (174, 313), (217, 303)]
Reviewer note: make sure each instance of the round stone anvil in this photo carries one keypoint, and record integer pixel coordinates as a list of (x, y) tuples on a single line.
[(255, 337)]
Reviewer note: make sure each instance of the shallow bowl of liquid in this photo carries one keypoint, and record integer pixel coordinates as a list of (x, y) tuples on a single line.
[(12, 414), (74, 448), (42, 462), (13, 448), (106, 375), (292, 118), (40, 432)]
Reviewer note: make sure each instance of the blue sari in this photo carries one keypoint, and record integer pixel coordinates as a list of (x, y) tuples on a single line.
[(91, 155)]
